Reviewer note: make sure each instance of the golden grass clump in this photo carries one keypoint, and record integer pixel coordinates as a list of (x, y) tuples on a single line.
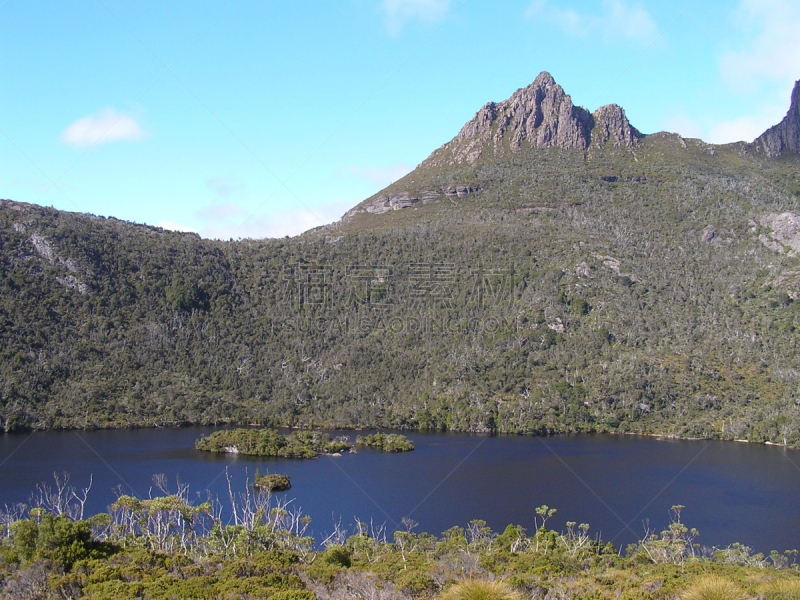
[(713, 587), (480, 590), (786, 589)]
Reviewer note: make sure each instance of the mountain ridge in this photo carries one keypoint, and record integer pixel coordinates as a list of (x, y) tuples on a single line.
[(542, 115)]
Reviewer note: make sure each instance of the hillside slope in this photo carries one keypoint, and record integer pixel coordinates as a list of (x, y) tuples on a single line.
[(547, 270)]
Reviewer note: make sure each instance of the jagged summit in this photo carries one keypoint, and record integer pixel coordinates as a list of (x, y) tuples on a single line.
[(785, 136), (541, 115)]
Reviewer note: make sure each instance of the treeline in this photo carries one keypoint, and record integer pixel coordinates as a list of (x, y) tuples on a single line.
[(573, 293)]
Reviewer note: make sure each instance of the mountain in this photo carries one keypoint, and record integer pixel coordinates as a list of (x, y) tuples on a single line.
[(549, 269)]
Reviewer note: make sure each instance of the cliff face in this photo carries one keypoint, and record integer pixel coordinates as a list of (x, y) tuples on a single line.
[(541, 115), (785, 136)]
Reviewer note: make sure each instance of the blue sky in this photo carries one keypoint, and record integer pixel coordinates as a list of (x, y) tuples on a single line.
[(253, 118)]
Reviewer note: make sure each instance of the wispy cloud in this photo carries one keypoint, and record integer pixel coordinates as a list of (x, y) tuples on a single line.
[(399, 12), (104, 126), (40, 187), (380, 176), (221, 211), (748, 127), (768, 43), (224, 187), (686, 126), (615, 20), (763, 63), (739, 129), (230, 220)]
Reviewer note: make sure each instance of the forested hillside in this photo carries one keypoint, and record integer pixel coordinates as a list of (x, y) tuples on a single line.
[(625, 283)]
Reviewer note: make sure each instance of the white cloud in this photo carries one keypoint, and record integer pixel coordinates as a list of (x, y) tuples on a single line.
[(104, 126), (380, 176), (225, 221), (616, 20), (175, 226), (399, 12), (768, 32)]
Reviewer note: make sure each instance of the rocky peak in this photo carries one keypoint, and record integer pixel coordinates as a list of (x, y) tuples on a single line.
[(785, 136), (541, 115), (612, 126)]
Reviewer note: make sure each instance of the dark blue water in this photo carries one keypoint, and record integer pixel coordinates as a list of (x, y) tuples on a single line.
[(732, 492)]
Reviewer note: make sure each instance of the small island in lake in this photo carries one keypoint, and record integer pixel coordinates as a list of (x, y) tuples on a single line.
[(387, 442), (297, 444), (269, 442), (272, 482)]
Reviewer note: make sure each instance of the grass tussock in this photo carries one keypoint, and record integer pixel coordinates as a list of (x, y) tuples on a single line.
[(786, 589), (714, 587), (480, 590)]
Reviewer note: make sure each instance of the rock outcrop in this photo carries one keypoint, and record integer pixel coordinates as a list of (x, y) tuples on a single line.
[(397, 201), (541, 115), (785, 234), (785, 136), (45, 249), (612, 126)]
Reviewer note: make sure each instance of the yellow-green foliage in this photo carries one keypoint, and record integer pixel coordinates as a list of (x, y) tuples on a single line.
[(713, 587), (480, 590)]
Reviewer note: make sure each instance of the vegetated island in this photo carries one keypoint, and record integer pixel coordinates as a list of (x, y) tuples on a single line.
[(269, 442), (387, 442), (297, 444), (272, 482)]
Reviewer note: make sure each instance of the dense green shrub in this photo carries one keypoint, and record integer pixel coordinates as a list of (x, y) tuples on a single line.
[(339, 556), (56, 538)]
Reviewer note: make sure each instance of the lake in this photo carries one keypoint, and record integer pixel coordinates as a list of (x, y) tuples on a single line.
[(732, 491)]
